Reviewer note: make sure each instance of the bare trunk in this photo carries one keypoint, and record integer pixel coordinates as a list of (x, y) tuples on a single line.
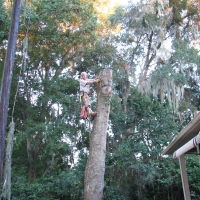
[(7, 77), (95, 168)]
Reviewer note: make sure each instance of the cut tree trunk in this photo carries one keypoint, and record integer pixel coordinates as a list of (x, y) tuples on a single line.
[(95, 168)]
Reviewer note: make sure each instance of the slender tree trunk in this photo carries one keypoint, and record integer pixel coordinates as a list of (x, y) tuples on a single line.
[(7, 77), (95, 168)]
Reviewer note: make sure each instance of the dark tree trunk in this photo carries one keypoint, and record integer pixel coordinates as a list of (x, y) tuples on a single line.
[(95, 168), (7, 77)]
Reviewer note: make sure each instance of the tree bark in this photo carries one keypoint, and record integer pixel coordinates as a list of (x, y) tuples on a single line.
[(95, 168), (7, 77)]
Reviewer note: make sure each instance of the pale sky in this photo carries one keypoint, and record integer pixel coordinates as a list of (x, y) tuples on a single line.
[(123, 1)]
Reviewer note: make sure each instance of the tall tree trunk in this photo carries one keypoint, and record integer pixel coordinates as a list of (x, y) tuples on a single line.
[(95, 168), (7, 77)]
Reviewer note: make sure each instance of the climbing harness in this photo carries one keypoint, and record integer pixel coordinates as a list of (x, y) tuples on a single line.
[(83, 113)]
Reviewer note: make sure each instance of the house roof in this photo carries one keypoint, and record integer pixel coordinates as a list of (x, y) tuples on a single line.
[(189, 132)]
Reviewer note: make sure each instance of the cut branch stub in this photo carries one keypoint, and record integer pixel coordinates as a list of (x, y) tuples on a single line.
[(105, 85)]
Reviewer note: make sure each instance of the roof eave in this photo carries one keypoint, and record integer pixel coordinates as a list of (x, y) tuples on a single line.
[(185, 132)]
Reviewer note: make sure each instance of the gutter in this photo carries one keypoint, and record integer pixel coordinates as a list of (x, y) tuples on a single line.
[(189, 145), (185, 132)]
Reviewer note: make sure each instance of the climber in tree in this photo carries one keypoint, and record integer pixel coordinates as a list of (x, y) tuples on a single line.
[(84, 90)]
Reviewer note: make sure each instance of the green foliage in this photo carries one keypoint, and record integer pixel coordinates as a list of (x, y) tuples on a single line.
[(150, 20), (193, 171), (185, 53), (166, 72), (64, 186), (67, 183), (116, 17), (135, 167), (192, 9), (4, 33), (4, 22), (185, 105), (101, 55), (178, 7)]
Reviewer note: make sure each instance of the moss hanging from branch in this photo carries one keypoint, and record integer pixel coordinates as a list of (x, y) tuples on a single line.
[(163, 90)]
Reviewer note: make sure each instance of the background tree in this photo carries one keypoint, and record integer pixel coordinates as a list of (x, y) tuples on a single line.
[(135, 150)]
